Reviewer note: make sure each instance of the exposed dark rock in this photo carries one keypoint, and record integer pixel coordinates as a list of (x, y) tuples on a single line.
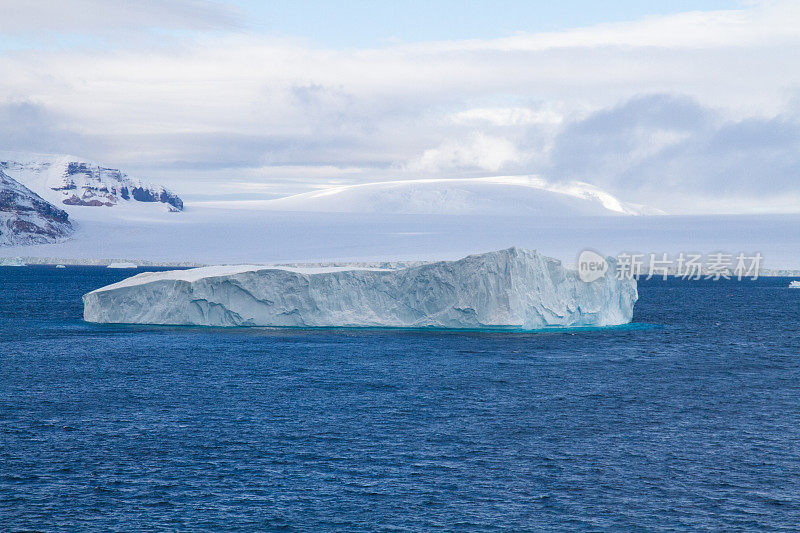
[(149, 195), (112, 183), (92, 202)]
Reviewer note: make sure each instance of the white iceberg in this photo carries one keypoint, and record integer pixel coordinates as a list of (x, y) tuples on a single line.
[(511, 288), (794, 284), (123, 265)]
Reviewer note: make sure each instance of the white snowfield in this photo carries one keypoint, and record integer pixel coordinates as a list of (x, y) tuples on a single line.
[(497, 195), (511, 288)]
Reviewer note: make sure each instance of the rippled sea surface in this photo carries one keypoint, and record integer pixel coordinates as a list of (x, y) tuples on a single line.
[(688, 421)]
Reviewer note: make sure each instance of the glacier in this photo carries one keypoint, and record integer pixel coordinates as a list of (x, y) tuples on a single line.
[(512, 288)]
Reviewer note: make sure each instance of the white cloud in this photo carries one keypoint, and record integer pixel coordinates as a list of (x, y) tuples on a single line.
[(763, 23), (478, 151), (102, 16), (507, 116)]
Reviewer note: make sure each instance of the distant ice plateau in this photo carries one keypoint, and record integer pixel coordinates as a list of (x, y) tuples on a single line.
[(497, 195), (512, 288)]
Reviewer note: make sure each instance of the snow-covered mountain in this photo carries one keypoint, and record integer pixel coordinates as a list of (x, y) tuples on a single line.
[(72, 181), (501, 195), (26, 218)]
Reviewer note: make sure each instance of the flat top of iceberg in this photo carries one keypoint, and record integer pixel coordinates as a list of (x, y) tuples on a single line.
[(195, 274)]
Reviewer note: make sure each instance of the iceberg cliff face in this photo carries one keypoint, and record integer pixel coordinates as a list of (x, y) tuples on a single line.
[(510, 288)]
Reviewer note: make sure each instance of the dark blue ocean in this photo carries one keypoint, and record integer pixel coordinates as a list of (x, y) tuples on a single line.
[(689, 420)]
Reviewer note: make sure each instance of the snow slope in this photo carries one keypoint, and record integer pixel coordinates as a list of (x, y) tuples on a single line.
[(500, 195), (26, 218), (509, 288), (69, 182)]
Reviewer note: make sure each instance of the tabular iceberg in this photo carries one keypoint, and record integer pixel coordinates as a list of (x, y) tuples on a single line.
[(510, 288)]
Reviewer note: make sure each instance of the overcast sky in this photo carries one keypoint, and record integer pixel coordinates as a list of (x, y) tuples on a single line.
[(685, 106)]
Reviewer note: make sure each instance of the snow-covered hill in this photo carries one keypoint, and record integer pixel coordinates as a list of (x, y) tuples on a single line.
[(71, 181), (26, 218), (502, 195)]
